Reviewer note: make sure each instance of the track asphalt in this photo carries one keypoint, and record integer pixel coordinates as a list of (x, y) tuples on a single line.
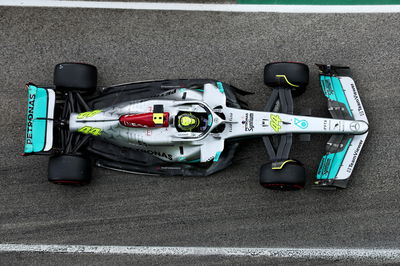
[(228, 208)]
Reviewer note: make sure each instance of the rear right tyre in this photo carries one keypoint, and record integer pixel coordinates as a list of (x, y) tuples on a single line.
[(75, 76)]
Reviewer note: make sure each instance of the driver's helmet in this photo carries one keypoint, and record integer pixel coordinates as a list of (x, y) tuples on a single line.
[(188, 122)]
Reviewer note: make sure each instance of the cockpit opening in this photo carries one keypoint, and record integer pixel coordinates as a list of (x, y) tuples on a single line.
[(192, 121)]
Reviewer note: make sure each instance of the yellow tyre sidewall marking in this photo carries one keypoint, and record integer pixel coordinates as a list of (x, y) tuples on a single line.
[(287, 81), (283, 164)]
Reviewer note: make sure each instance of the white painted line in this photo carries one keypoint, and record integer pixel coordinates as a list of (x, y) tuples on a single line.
[(307, 253), (207, 7)]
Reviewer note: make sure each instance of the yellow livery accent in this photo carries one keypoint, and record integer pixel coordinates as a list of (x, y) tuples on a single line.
[(90, 130), (281, 166), (287, 81), (88, 114), (158, 118)]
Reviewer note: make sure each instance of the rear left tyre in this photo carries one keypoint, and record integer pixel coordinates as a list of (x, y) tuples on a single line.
[(69, 169)]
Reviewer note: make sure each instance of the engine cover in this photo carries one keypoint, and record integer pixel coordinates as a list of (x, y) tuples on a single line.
[(145, 120)]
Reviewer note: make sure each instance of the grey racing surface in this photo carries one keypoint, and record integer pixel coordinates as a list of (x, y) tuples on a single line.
[(230, 208)]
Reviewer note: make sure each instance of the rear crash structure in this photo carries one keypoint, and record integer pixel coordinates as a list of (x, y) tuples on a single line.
[(190, 127)]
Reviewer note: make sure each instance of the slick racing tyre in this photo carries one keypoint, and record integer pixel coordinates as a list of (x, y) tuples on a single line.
[(68, 169), (289, 75), (291, 176), (75, 76)]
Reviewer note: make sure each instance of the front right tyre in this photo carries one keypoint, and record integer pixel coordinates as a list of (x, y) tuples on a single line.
[(291, 176)]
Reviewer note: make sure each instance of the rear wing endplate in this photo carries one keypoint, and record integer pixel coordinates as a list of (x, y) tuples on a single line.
[(39, 119)]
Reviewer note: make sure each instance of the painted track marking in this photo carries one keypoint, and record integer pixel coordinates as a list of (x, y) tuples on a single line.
[(308, 253), (207, 7)]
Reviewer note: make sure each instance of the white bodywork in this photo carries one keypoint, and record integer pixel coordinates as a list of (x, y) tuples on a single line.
[(170, 145)]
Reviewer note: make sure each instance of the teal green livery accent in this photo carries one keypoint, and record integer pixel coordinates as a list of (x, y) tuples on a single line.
[(217, 155), (210, 120), (220, 87), (35, 138), (330, 163), (333, 90), (183, 160)]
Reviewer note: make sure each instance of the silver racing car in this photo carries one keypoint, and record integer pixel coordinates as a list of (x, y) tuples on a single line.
[(189, 127)]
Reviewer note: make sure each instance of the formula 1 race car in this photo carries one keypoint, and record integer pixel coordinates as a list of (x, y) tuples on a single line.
[(189, 127)]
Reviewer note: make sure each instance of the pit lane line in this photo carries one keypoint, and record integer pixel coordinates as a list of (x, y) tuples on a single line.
[(392, 255), (252, 8)]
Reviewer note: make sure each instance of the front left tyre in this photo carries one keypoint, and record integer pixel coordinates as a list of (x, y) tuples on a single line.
[(291, 75), (69, 169)]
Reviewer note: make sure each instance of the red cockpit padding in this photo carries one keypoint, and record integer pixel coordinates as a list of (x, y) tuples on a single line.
[(143, 120)]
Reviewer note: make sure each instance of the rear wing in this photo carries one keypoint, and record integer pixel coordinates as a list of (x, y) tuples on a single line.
[(342, 151), (39, 119)]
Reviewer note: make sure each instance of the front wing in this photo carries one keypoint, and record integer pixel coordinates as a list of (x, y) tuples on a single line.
[(344, 102)]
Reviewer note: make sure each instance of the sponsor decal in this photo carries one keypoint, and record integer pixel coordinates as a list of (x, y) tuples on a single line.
[(170, 92), (264, 123), (324, 166), (141, 143), (336, 126), (29, 127), (88, 114), (169, 168), (328, 87), (303, 124), (210, 159), (149, 132), (355, 156), (357, 99), (157, 153), (274, 122), (230, 126), (249, 122), (354, 126), (90, 130), (325, 124)]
